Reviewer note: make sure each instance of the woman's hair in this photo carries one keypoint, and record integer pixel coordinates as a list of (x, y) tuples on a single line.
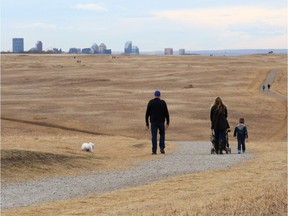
[(220, 107)]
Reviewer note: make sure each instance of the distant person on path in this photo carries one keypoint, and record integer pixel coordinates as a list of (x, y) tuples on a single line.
[(157, 111), (263, 87), (219, 124), (268, 87), (242, 133)]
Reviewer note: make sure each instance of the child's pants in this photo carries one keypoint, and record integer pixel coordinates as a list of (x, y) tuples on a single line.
[(241, 142)]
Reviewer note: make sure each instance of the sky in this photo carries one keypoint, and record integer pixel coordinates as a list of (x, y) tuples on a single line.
[(152, 25)]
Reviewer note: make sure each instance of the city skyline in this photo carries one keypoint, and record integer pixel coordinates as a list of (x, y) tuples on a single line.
[(152, 25), (18, 47)]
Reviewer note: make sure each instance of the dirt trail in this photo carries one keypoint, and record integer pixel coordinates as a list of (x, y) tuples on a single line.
[(271, 75)]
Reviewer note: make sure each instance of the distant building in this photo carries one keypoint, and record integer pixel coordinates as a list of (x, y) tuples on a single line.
[(102, 48), (95, 48), (74, 50), (107, 51), (168, 51), (87, 51), (181, 51), (37, 49), (39, 46), (18, 45), (135, 50), (56, 50), (128, 47)]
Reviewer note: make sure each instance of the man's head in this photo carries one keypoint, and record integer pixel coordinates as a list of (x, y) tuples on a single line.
[(157, 93)]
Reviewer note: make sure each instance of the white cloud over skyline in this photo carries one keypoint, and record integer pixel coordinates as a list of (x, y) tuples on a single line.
[(91, 6), (35, 25)]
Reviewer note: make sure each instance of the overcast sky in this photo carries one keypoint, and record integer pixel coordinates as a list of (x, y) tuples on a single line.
[(151, 24)]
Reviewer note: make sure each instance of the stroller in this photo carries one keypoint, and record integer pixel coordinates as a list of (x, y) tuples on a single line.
[(223, 146)]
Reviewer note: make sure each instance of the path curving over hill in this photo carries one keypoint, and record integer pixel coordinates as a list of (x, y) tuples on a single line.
[(270, 77)]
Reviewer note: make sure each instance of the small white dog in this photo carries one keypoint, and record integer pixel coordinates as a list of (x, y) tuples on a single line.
[(89, 147)]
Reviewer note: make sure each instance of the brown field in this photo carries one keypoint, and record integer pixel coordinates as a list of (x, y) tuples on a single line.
[(51, 105)]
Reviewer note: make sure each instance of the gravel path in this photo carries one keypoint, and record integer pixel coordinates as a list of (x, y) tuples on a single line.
[(188, 158)]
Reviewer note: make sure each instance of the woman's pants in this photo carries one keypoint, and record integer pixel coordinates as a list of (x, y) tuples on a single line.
[(219, 140)]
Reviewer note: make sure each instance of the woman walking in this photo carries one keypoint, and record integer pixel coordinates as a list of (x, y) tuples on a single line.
[(219, 124)]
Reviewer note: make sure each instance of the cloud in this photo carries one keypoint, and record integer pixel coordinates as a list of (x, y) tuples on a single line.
[(258, 29), (225, 17), (36, 25), (91, 6)]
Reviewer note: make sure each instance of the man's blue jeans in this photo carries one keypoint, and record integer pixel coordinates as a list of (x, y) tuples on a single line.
[(154, 130)]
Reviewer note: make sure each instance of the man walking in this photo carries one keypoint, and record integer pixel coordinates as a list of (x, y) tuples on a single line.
[(158, 112)]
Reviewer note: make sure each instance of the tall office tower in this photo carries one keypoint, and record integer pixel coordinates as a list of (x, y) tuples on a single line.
[(95, 48), (102, 48), (18, 45), (39, 46), (128, 47), (135, 50), (168, 51)]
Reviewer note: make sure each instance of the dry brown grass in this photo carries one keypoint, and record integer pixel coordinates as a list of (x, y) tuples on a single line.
[(33, 152), (108, 98)]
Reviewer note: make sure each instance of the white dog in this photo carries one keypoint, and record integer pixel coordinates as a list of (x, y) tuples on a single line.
[(88, 147)]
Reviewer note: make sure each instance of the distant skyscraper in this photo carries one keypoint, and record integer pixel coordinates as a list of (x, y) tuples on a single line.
[(128, 47), (95, 48), (168, 51), (135, 50), (181, 51), (18, 45), (39, 46), (102, 48)]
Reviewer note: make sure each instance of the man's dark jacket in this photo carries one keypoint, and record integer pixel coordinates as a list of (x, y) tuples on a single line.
[(158, 112)]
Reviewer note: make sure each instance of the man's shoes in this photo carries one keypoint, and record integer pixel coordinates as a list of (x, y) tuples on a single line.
[(162, 151), (154, 153)]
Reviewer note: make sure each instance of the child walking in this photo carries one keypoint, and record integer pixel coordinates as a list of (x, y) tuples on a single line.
[(242, 133)]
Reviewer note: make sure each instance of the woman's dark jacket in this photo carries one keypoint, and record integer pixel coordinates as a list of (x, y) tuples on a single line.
[(219, 119)]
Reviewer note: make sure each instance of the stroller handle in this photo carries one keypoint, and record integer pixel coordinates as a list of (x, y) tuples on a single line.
[(227, 131)]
